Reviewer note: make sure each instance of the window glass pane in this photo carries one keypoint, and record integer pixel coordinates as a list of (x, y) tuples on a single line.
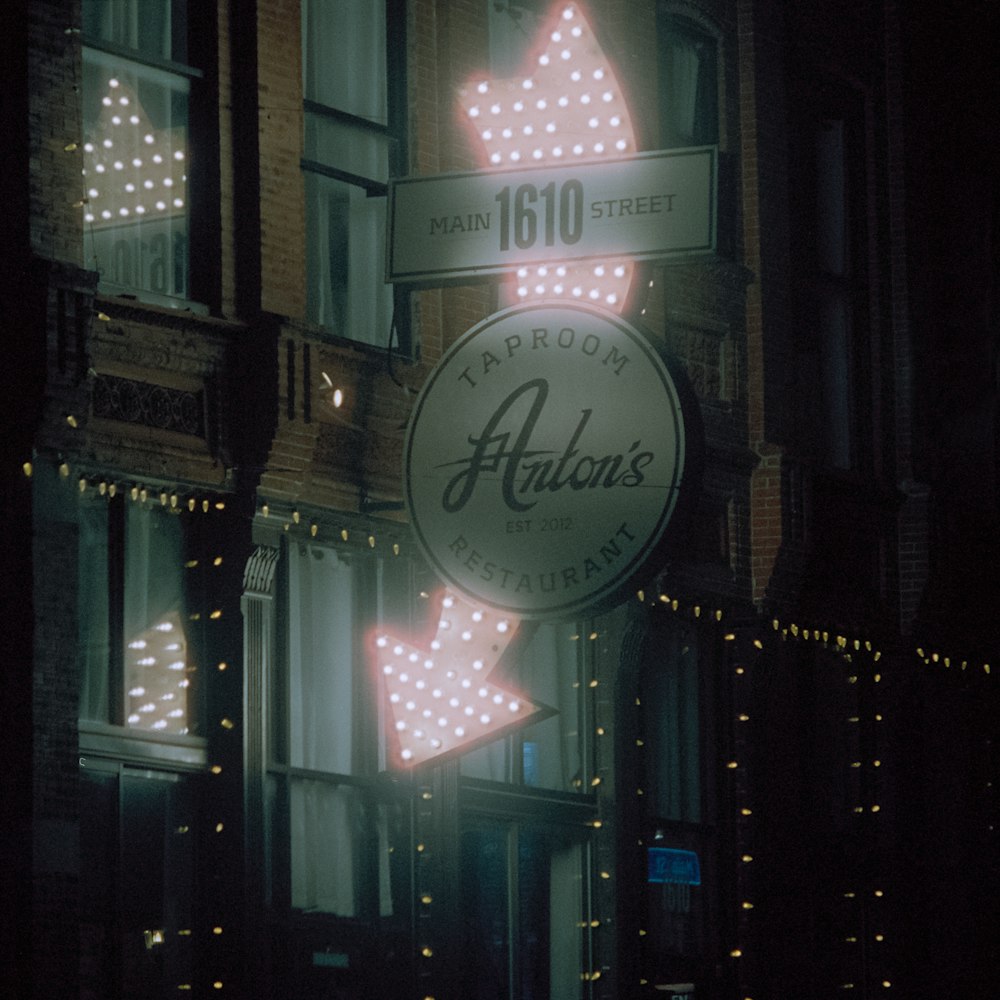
[(157, 675), (347, 147), (548, 754), (154, 28), (344, 56), (326, 703), (833, 323), (135, 174), (831, 198), (522, 912), (550, 904), (485, 914), (345, 232), (670, 720), (157, 880), (98, 879), (329, 848), (689, 88)]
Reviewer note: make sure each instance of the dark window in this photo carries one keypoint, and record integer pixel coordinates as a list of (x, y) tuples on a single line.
[(138, 923), (353, 61), (689, 83), (524, 911), (677, 863), (137, 93), (830, 254)]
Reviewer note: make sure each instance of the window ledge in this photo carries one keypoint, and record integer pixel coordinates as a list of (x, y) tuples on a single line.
[(188, 752)]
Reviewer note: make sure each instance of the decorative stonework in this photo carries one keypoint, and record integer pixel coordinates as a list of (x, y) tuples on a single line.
[(134, 402)]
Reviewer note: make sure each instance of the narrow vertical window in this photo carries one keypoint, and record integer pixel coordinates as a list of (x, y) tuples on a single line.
[(689, 84), (135, 618), (832, 290), (351, 143), (136, 175)]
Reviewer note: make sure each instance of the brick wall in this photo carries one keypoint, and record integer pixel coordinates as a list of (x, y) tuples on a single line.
[(54, 77)]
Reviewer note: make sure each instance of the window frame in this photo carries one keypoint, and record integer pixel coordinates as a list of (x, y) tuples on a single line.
[(376, 789), (202, 238), (843, 447), (400, 336), (671, 20)]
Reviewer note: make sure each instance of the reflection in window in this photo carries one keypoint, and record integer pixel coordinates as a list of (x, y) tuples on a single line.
[(133, 615), (156, 679), (137, 898), (135, 152), (339, 847), (548, 754), (523, 912)]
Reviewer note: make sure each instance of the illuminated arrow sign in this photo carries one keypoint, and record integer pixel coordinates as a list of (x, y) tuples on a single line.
[(565, 199), (440, 697)]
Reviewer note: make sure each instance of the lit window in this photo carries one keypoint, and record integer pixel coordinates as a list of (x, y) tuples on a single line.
[(328, 733), (136, 587), (136, 91)]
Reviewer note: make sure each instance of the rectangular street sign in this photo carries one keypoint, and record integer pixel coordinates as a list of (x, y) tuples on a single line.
[(650, 206)]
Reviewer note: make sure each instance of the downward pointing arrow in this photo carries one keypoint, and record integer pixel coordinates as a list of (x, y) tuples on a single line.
[(440, 700)]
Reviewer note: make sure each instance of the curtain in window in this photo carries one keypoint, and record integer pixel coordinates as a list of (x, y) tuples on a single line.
[(344, 57), (339, 845), (324, 691), (682, 86), (689, 89), (154, 615), (327, 841), (345, 233)]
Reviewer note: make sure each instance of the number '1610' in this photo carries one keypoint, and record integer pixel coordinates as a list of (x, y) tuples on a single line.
[(550, 207)]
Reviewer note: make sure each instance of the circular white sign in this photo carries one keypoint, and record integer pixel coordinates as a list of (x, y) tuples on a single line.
[(543, 459)]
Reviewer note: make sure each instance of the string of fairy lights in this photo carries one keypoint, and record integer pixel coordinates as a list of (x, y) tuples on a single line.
[(215, 827), (862, 899), (863, 890)]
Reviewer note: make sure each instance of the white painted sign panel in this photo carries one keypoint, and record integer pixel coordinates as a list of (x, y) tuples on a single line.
[(650, 206), (544, 458)]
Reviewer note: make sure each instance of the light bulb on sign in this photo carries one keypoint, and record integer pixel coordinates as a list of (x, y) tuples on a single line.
[(568, 102), (440, 699)]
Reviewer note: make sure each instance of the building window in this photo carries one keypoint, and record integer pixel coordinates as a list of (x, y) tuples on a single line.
[(524, 910), (335, 828), (140, 616), (354, 102), (678, 869), (689, 83), (830, 253), (138, 906), (552, 669), (137, 88)]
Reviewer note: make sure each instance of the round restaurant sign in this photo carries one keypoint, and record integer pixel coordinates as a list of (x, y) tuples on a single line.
[(544, 458)]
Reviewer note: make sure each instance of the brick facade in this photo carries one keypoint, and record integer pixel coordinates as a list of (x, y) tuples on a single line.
[(773, 534)]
